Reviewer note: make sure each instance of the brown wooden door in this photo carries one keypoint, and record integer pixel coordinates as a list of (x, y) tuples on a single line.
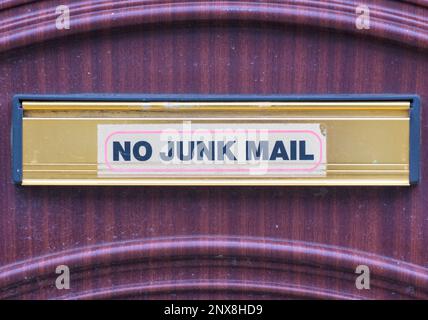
[(212, 242)]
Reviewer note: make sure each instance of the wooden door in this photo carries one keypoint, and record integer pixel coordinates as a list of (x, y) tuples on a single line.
[(212, 242)]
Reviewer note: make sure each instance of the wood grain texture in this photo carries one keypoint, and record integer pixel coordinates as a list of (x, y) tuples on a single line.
[(218, 242)]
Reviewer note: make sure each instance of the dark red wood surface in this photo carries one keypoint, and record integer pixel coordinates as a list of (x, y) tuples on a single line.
[(212, 242)]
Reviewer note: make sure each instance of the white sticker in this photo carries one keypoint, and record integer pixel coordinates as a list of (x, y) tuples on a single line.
[(211, 149)]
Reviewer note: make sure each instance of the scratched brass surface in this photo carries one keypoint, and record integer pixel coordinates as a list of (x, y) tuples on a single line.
[(367, 142)]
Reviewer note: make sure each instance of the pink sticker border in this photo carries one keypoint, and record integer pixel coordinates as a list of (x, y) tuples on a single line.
[(211, 169)]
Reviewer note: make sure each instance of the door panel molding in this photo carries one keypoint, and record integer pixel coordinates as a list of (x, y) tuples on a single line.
[(135, 266), (401, 21)]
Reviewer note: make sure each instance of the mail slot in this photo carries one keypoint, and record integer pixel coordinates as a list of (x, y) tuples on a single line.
[(216, 140)]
